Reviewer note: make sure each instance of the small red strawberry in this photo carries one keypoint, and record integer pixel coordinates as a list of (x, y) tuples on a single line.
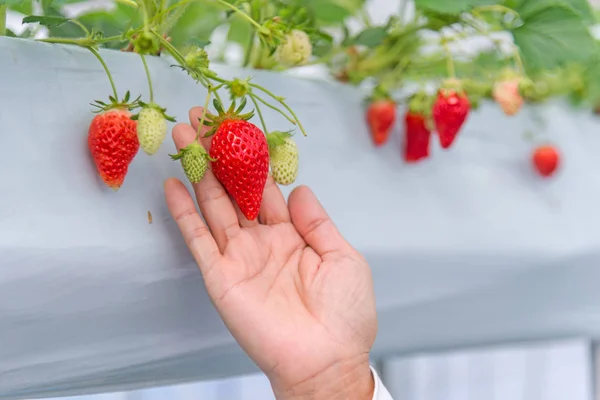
[(450, 112), (381, 117), (113, 141), (416, 137), (546, 160), (241, 156)]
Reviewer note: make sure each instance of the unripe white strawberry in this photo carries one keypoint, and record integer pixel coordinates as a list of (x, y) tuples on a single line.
[(508, 96), (295, 50), (284, 159), (151, 128)]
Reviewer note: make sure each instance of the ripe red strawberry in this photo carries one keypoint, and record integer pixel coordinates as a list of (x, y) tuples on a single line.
[(241, 156), (113, 141), (546, 160), (450, 112), (381, 116), (416, 137)]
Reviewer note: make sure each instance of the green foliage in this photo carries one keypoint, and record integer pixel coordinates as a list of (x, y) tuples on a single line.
[(551, 37)]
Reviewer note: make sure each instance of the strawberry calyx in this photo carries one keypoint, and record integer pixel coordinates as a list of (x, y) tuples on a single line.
[(277, 138), (421, 103), (233, 113), (195, 148), (155, 106), (380, 94), (116, 104)]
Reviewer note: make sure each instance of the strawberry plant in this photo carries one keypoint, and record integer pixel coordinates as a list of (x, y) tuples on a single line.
[(537, 50)]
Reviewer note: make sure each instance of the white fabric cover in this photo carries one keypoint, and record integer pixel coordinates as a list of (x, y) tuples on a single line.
[(467, 248)]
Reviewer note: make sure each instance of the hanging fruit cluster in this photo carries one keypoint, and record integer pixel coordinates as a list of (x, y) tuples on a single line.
[(551, 53)]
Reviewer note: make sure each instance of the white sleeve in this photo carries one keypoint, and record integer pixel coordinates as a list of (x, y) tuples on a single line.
[(381, 393)]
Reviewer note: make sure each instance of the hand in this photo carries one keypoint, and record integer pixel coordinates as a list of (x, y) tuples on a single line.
[(293, 293)]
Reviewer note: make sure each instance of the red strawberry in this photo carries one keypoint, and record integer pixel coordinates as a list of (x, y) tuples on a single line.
[(546, 160), (381, 116), (242, 157), (113, 142), (450, 112), (417, 135)]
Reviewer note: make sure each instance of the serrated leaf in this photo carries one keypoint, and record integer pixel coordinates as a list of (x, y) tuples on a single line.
[(551, 35), (47, 21), (370, 37)]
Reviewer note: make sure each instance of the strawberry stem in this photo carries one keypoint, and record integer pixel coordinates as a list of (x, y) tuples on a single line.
[(241, 13), (203, 114), (108, 74), (281, 101), (290, 119), (260, 115), (149, 78), (449, 59)]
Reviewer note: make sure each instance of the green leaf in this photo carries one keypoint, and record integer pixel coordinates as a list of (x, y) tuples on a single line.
[(453, 7), (552, 35), (199, 21), (371, 37), (10, 3), (240, 31), (322, 42), (47, 21), (582, 7), (329, 11)]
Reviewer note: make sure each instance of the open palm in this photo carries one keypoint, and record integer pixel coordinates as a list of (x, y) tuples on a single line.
[(294, 294)]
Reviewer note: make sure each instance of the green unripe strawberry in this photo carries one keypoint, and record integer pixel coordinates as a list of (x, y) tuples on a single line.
[(194, 160), (283, 154), (152, 127)]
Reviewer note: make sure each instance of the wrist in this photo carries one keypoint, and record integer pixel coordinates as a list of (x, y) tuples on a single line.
[(341, 381)]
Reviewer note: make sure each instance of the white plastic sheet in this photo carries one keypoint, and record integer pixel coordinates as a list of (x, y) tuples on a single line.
[(467, 248)]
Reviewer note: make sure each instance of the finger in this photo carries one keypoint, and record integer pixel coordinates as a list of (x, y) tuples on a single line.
[(313, 224), (195, 115), (273, 209), (195, 233), (195, 118), (215, 205)]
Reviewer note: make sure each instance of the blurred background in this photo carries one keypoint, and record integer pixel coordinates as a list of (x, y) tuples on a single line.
[(557, 370)]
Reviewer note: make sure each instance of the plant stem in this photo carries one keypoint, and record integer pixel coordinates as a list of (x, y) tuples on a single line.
[(3, 10), (83, 42), (240, 12), (283, 103), (108, 74), (79, 24), (495, 8), (130, 3), (365, 17), (203, 114), (290, 119), (449, 60), (260, 115), (249, 50), (149, 78)]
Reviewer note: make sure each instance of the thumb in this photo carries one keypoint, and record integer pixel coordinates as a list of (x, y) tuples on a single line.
[(313, 224)]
